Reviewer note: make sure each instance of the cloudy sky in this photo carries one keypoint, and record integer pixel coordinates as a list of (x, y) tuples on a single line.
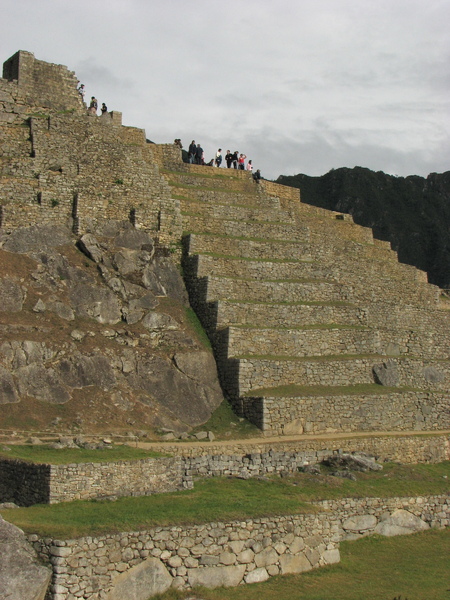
[(299, 86)]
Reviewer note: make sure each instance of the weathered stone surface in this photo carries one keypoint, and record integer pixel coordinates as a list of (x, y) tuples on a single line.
[(81, 371), (37, 237), (97, 303), (141, 582), (163, 279), (11, 296), (400, 522), (331, 557), (294, 564), (8, 390), (266, 557), (41, 383), (155, 321), (294, 427), (135, 240), (89, 245), (22, 576), (386, 373), (212, 577), (257, 575), (432, 375), (360, 523)]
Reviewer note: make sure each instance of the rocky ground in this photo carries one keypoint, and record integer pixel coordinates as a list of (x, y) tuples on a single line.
[(96, 336)]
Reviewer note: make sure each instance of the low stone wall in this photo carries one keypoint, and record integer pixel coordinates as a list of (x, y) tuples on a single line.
[(213, 554), (408, 411), (226, 553), (26, 483), (407, 449)]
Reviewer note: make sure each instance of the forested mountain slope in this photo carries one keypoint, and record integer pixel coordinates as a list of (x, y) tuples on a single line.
[(413, 213)]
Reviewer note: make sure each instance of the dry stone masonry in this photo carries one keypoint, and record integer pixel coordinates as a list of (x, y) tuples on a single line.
[(316, 327), (226, 553)]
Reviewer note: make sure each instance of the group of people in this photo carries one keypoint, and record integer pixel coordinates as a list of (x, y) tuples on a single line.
[(233, 160), (93, 105)]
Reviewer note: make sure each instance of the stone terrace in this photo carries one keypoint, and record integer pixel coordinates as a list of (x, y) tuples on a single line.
[(316, 326)]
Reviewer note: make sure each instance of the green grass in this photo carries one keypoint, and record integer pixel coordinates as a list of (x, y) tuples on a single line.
[(47, 455), (194, 322), (415, 567), (225, 424), (211, 500), (224, 499)]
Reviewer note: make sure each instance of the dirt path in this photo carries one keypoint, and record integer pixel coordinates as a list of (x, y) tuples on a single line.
[(291, 438)]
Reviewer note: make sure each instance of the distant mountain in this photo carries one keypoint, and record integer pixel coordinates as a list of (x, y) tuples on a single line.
[(413, 213)]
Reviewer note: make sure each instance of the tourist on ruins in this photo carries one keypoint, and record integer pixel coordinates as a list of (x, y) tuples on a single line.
[(241, 161), (178, 143), (82, 91), (104, 108), (218, 159), (235, 159), (93, 105), (249, 166), (192, 151), (228, 159), (199, 155), (257, 175)]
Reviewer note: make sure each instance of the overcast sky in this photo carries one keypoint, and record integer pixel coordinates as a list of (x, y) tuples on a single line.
[(299, 86)]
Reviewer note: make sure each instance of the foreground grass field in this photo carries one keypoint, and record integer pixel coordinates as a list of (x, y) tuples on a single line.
[(224, 499), (415, 567)]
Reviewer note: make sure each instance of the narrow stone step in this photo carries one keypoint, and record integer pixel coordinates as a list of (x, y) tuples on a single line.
[(346, 411), (247, 247), (221, 288), (265, 372), (235, 212), (284, 315), (210, 180), (224, 197), (366, 278), (266, 230), (333, 340)]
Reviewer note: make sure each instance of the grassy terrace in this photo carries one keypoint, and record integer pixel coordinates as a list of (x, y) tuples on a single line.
[(225, 499), (46, 455)]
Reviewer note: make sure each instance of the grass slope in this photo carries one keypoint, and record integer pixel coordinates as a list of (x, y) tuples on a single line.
[(225, 499)]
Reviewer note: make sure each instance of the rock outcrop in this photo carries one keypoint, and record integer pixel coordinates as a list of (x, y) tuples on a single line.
[(98, 325), (22, 576)]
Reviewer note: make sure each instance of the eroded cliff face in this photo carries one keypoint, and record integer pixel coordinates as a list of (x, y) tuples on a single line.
[(413, 213), (96, 335)]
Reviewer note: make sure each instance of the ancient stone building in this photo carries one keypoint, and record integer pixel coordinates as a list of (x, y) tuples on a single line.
[(316, 326)]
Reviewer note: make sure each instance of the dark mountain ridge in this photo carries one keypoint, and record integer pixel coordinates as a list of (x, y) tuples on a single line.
[(413, 213)]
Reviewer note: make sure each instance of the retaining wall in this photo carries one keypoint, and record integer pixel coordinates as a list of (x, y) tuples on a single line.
[(223, 553), (27, 483)]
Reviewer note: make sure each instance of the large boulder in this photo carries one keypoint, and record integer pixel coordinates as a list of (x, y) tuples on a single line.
[(400, 522), (141, 582), (212, 577), (22, 576)]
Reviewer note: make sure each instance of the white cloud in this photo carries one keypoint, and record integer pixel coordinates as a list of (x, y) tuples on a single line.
[(300, 86)]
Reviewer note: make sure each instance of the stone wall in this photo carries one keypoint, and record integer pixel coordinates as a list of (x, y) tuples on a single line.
[(406, 411), (26, 483), (43, 84), (226, 553), (404, 448)]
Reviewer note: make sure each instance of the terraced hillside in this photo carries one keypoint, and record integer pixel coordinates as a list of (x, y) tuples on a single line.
[(316, 326)]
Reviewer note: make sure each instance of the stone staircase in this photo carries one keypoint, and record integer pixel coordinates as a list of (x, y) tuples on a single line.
[(315, 325)]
